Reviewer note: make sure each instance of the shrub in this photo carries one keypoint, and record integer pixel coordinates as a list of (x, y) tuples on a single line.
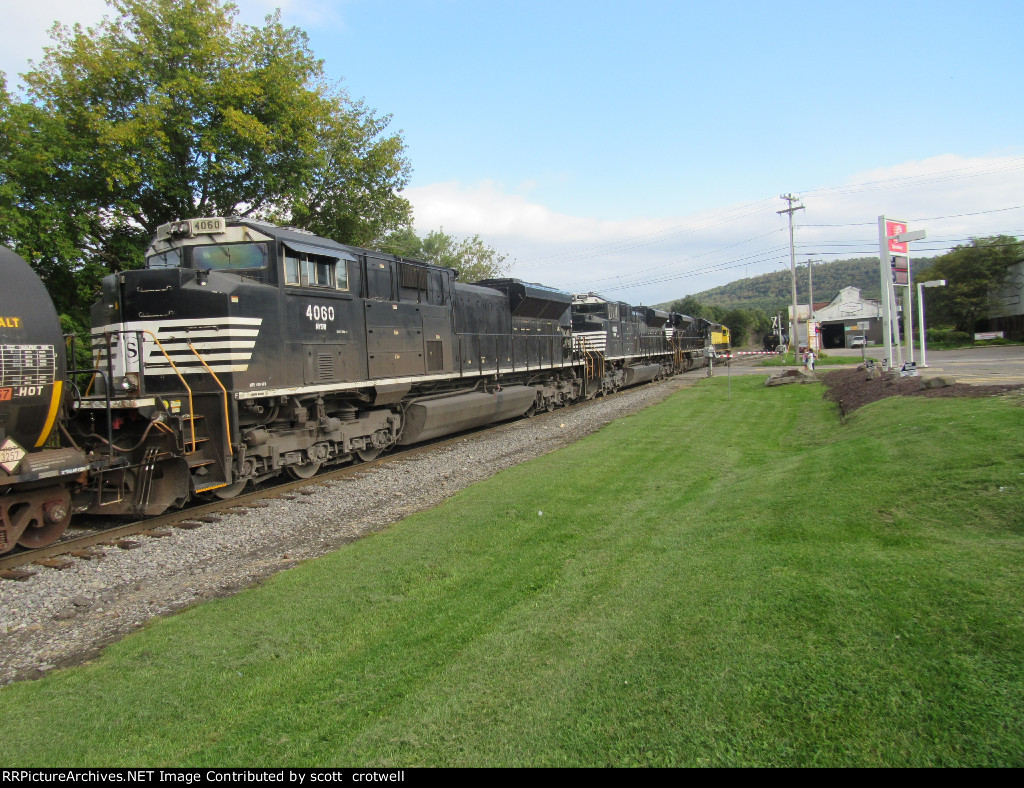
[(949, 336)]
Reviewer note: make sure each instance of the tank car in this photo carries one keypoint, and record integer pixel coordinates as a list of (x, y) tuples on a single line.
[(37, 473)]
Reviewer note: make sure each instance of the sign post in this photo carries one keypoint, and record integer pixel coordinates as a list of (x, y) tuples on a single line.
[(920, 312), (894, 249)]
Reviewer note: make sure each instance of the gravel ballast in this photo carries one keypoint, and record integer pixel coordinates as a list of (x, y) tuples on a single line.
[(58, 618)]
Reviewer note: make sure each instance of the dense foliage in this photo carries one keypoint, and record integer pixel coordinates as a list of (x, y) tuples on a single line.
[(746, 326), (974, 274), (470, 257), (175, 109)]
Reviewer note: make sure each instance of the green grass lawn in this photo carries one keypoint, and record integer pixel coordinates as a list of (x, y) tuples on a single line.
[(715, 581)]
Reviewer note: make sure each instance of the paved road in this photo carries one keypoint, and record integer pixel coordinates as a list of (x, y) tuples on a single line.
[(980, 366)]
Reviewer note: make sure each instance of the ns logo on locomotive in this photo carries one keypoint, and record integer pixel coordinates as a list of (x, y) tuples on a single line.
[(244, 350)]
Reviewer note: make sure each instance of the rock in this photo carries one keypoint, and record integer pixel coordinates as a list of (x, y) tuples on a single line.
[(937, 381), (790, 376)]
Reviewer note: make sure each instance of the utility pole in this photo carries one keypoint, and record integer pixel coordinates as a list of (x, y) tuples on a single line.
[(810, 290), (792, 198)]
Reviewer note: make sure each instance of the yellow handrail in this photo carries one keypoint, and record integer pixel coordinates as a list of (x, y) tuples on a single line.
[(191, 413), (227, 417)]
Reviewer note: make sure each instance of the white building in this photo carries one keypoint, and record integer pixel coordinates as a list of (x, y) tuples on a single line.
[(844, 317)]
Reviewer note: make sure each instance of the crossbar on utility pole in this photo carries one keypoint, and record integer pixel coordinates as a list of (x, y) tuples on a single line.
[(792, 198)]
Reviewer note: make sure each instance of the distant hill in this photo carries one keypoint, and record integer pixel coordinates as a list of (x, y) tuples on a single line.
[(772, 292)]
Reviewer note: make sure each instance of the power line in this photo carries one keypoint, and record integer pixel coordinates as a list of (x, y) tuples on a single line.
[(748, 209), (635, 242)]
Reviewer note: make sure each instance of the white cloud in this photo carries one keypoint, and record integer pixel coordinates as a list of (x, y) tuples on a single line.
[(488, 209), (27, 26), (654, 260), (307, 14)]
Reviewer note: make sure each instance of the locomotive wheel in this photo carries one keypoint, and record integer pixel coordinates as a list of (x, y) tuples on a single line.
[(368, 455), (549, 404), (226, 493), (44, 517), (305, 471)]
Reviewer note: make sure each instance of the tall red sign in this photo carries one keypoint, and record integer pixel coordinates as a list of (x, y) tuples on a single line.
[(894, 227)]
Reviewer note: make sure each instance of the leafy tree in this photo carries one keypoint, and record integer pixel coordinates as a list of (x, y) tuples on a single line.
[(470, 257), (175, 109), (974, 273), (688, 305), (404, 242), (742, 322), (352, 194)]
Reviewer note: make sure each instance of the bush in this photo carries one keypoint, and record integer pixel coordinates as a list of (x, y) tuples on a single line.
[(949, 336)]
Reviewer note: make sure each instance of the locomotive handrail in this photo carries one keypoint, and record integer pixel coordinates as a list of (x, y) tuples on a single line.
[(70, 342), (227, 416), (191, 412)]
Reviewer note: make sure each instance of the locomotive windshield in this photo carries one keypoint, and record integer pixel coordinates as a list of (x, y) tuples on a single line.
[(222, 257), (229, 256), (167, 259)]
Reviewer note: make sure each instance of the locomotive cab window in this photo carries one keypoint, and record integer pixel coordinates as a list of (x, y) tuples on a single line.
[(303, 269), (168, 259), (230, 257)]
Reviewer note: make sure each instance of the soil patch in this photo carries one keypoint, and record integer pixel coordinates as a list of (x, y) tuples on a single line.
[(852, 388)]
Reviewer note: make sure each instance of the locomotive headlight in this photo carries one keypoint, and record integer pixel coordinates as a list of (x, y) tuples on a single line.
[(130, 382)]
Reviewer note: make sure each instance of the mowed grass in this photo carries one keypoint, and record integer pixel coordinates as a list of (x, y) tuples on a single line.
[(715, 581)]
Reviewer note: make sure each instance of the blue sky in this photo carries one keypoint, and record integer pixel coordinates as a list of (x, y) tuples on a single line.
[(640, 148)]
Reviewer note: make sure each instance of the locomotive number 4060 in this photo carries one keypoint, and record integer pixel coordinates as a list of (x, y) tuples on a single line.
[(317, 312)]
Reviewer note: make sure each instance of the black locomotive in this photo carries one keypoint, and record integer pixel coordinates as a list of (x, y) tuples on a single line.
[(244, 350)]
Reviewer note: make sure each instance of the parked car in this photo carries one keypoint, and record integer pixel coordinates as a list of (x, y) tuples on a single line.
[(860, 341)]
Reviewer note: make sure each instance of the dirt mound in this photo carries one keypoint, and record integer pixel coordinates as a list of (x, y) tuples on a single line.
[(852, 388)]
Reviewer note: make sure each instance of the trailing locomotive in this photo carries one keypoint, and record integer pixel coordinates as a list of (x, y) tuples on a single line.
[(244, 350)]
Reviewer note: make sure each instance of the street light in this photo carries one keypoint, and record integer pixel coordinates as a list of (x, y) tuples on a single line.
[(920, 311)]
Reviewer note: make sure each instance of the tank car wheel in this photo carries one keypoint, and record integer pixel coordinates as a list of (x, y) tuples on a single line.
[(45, 518), (305, 471), (232, 490)]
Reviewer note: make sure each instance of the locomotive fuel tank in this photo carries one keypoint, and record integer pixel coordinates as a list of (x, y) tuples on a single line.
[(434, 417)]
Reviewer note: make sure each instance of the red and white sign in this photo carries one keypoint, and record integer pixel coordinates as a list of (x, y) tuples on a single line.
[(894, 227)]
